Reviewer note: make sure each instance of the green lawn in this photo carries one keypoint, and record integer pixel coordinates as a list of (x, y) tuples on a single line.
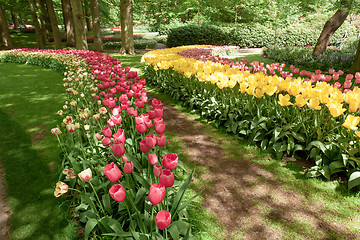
[(30, 97)]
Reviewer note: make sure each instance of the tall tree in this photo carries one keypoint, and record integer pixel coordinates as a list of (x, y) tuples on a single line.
[(4, 31), (54, 24), (79, 22), (42, 9), (14, 20), (87, 16), (68, 22), (39, 40), (96, 25), (127, 37), (331, 26), (356, 64)]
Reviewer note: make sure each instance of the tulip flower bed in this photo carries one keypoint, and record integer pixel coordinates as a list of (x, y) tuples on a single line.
[(298, 116), (117, 174)]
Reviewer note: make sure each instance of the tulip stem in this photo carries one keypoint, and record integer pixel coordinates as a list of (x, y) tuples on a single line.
[(97, 197), (151, 221)]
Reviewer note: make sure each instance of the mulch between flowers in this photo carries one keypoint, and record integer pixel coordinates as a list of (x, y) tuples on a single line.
[(240, 192)]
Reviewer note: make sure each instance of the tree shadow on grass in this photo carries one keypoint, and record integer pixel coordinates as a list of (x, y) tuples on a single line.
[(32, 183)]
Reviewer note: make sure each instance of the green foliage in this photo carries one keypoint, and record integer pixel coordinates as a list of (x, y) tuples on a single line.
[(138, 44), (279, 130), (332, 58)]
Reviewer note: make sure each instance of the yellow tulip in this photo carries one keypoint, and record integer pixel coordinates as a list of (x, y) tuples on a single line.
[(336, 109), (314, 104), (259, 93), (351, 122), (300, 101), (284, 100)]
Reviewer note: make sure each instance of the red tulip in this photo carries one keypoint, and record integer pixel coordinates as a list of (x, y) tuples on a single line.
[(149, 124), (110, 122), (128, 167), (153, 159), (143, 147), (124, 158), (98, 136), (152, 114), (163, 219), (116, 119), (141, 128), (106, 141), (150, 140), (161, 140), (157, 193), (170, 161), (156, 103), (159, 128), (117, 192), (119, 136), (157, 170), (166, 178), (118, 149), (112, 172), (159, 112), (116, 110), (106, 131)]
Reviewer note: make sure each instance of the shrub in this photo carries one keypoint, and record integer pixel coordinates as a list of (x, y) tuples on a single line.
[(332, 58), (138, 44)]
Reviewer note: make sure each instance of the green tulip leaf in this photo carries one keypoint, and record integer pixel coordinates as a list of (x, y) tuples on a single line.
[(336, 166), (354, 180), (180, 194), (107, 203), (174, 232), (90, 225)]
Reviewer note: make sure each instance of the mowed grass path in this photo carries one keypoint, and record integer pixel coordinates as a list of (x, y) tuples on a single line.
[(30, 96)]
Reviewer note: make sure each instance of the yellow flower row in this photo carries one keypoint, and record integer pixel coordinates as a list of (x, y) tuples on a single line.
[(257, 84)]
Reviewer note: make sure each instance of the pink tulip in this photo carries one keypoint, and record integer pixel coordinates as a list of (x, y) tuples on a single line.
[(166, 178), (157, 170), (347, 84), (170, 161), (141, 128), (161, 140), (116, 119), (118, 149), (117, 192), (159, 112), (98, 136), (106, 141), (152, 114), (112, 172), (156, 193), (349, 77), (106, 131), (150, 140), (153, 159), (156, 103), (163, 219), (119, 136), (143, 147), (128, 167)]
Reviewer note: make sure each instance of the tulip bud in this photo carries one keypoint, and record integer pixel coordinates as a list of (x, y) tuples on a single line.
[(153, 159), (106, 131), (112, 172), (157, 170), (163, 219), (118, 149), (170, 161), (85, 175), (157, 193), (128, 167), (117, 192), (166, 178)]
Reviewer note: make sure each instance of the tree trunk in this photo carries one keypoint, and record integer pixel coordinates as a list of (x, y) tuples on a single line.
[(41, 9), (4, 31), (88, 21), (54, 24), (46, 17), (79, 23), (331, 26), (15, 20), (127, 37), (68, 22), (40, 43), (356, 64), (96, 25)]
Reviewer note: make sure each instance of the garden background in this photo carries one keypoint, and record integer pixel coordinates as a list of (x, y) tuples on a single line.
[(156, 120)]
